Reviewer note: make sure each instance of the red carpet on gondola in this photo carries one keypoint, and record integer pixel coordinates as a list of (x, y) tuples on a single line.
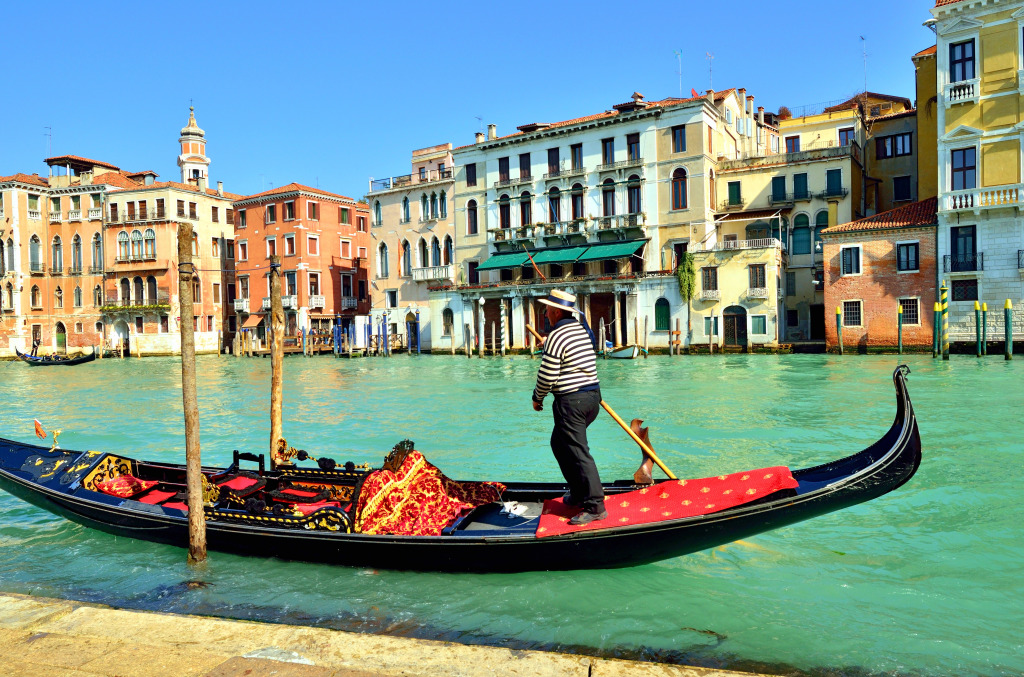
[(671, 500)]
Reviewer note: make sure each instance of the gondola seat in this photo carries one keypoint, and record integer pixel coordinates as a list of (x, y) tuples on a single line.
[(238, 486), (125, 486)]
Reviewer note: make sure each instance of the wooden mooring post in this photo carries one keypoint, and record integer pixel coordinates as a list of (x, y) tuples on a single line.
[(276, 358), (647, 337), (193, 463), (467, 339), (494, 345), (600, 342)]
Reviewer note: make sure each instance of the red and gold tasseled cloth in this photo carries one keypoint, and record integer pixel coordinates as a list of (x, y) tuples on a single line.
[(417, 500), (671, 500)]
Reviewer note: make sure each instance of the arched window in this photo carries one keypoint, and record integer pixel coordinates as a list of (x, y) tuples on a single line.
[(150, 243), (525, 209), (377, 215), (197, 290), (433, 205), (448, 322), (126, 291), (151, 290), (679, 189), (99, 328), (444, 205), (97, 296), (406, 258), (577, 201), (76, 254), (712, 190), (424, 208), (58, 298), (820, 224), (10, 254), (435, 252), (3, 258), (136, 245), (122, 246), (97, 253), (421, 251), (10, 295), (554, 205), (633, 195), (405, 209), (662, 315), (35, 254), (471, 222), (382, 260), (801, 234), (140, 297), (57, 253), (78, 297), (504, 212), (608, 197), (34, 297), (449, 251)]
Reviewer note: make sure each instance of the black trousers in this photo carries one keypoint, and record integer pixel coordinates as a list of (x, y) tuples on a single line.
[(573, 413)]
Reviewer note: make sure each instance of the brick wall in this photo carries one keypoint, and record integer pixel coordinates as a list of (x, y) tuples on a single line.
[(879, 287)]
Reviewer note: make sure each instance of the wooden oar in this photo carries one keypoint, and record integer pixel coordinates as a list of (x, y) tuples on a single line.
[(636, 438)]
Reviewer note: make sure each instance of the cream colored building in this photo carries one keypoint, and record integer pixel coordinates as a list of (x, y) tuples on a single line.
[(413, 238)]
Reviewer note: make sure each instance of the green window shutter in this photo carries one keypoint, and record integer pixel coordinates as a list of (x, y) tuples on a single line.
[(734, 192), (834, 181), (779, 188), (799, 185), (758, 324), (662, 315)]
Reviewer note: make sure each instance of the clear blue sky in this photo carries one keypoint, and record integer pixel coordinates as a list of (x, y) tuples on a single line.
[(329, 94)]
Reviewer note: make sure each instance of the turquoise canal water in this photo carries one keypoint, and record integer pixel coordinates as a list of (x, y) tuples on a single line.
[(923, 581)]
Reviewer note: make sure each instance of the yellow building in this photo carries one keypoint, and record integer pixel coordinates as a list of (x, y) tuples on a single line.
[(927, 123), (980, 128)]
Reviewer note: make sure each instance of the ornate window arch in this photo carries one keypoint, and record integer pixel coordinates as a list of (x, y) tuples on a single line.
[(97, 296), (122, 246), (504, 212), (97, 252), (577, 201), (126, 291), (424, 208), (76, 253), (34, 297), (448, 322), (634, 202), (57, 253), (435, 252), (444, 205), (406, 259), (58, 298), (136, 244), (35, 247), (662, 315), (608, 197), (433, 205), (525, 208), (421, 253), (138, 288), (679, 196), (554, 205), (801, 234), (149, 241), (449, 251), (472, 223), (10, 295), (151, 295), (382, 260), (378, 217), (78, 296), (405, 209), (10, 254), (820, 224)]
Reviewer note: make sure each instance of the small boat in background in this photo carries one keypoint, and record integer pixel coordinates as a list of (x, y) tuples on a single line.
[(623, 352), (55, 360)]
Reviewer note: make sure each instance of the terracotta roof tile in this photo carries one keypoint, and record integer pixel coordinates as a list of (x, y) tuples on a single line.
[(941, 3), (33, 179), (294, 187), (122, 180), (893, 116), (116, 179), (148, 171), (853, 101), (925, 52), (75, 158), (923, 213)]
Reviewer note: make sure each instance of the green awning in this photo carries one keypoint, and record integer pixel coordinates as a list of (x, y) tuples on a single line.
[(562, 255), (504, 261), (612, 250)]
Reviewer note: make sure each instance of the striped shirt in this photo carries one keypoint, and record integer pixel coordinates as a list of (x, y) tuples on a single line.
[(569, 364)]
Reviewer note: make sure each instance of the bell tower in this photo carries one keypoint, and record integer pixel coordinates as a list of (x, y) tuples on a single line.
[(193, 161)]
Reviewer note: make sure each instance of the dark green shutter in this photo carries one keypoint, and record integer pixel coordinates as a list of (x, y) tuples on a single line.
[(799, 185), (662, 315), (779, 188)]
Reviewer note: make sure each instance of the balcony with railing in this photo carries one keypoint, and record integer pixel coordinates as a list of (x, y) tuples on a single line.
[(735, 245), (963, 263), (56, 270), (95, 213), (162, 302), (317, 301), (977, 199), (511, 234), (513, 181), (55, 217), (573, 227), (812, 152), (37, 268), (75, 270), (95, 270), (348, 302), (140, 262), (621, 222), (565, 173), (290, 302), (74, 215), (429, 273), (407, 180), (781, 198), (833, 193), (34, 214), (621, 164), (733, 204), (241, 305), (965, 91), (757, 293), (709, 295)]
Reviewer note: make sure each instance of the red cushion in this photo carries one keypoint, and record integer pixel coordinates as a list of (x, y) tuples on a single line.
[(307, 508), (125, 486), (238, 483), (299, 492), (156, 496), (175, 505)]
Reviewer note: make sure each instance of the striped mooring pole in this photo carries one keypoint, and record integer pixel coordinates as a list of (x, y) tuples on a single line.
[(936, 321), (944, 300), (1008, 329), (984, 329), (977, 328), (418, 352), (899, 329), (839, 327)]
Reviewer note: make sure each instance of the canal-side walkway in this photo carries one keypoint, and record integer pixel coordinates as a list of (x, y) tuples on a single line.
[(60, 638)]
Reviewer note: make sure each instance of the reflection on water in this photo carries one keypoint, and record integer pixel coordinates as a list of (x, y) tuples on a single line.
[(921, 581)]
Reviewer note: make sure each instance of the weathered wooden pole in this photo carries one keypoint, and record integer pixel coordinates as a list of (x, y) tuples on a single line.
[(636, 330), (494, 346), (839, 327), (276, 358), (532, 345), (647, 337), (481, 331), (418, 351), (1008, 329), (899, 328), (936, 322), (977, 329), (193, 463), (601, 344), (984, 329), (467, 340), (711, 333)]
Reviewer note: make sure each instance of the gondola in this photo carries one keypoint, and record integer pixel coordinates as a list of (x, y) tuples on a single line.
[(494, 536), (623, 352), (49, 361)]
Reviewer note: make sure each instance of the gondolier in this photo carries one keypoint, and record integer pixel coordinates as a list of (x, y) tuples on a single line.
[(568, 370)]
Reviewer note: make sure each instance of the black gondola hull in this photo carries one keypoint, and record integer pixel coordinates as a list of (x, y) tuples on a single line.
[(43, 362), (864, 476)]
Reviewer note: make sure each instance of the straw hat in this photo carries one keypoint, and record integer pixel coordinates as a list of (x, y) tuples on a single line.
[(561, 300)]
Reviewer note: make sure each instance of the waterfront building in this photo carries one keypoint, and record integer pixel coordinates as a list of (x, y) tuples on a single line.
[(606, 204), (324, 245), (413, 236), (927, 123), (874, 267), (980, 128)]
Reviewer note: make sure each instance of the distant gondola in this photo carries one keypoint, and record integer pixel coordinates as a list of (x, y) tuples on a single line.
[(490, 537), (51, 361)]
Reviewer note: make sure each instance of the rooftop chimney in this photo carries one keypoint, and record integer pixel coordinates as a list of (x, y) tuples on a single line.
[(760, 115), (86, 178), (220, 188), (710, 96), (492, 132), (479, 137), (202, 183), (743, 96)]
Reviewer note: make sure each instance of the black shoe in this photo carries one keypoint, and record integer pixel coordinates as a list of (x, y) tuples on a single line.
[(588, 517), (567, 499)]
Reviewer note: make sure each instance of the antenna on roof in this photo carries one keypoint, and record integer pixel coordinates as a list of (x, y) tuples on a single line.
[(710, 57), (864, 50), (49, 140), (679, 58), (480, 119)]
